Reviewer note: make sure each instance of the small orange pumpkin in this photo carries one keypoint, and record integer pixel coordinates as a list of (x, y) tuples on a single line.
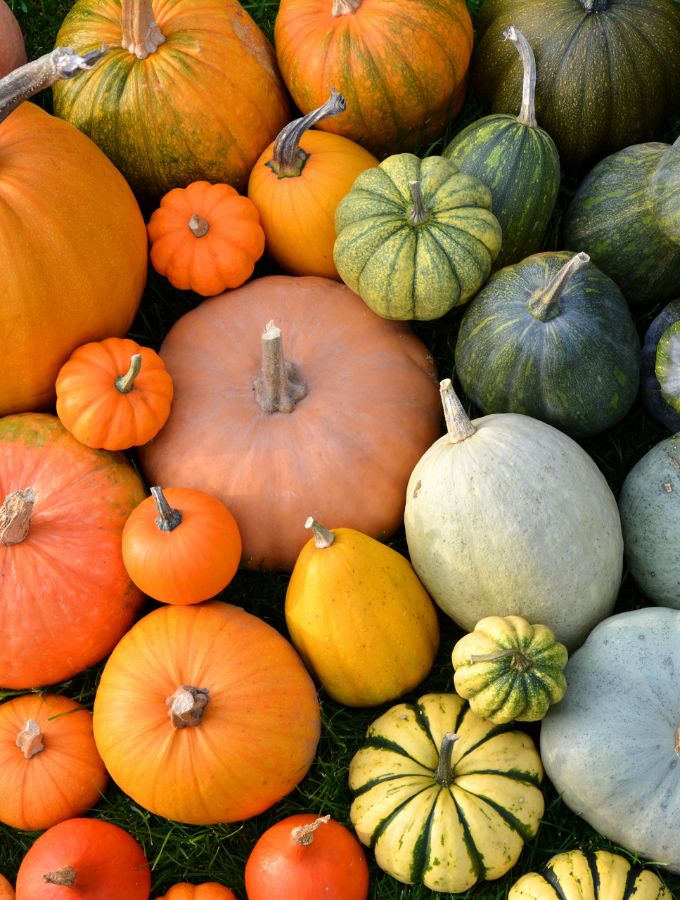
[(205, 238), (113, 394), (209, 890)]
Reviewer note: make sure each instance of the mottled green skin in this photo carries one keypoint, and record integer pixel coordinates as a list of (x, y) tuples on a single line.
[(667, 365), (578, 371), (520, 165), (415, 271), (613, 218), (666, 191), (650, 389)]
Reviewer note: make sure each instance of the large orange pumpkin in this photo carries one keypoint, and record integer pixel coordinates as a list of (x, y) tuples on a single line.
[(6, 889), (12, 50)]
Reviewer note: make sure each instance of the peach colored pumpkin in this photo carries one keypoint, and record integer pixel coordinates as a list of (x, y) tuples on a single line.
[(12, 50), (6, 889)]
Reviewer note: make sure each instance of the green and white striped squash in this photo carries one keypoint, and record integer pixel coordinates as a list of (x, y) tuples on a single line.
[(415, 237), (444, 798), (509, 670)]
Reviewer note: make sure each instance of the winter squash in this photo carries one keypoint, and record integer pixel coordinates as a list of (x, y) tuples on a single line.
[(589, 98), (6, 889), (359, 617), (208, 890), (113, 394), (517, 161), (509, 669), (189, 90), (415, 237), (205, 714), (66, 597), (205, 238), (303, 857), (667, 368), (551, 337), (622, 708), (181, 545), (403, 77), (652, 395), (666, 190), (344, 404), (73, 254), (296, 185), (536, 531), (12, 50), (92, 859), (49, 766), (443, 797)]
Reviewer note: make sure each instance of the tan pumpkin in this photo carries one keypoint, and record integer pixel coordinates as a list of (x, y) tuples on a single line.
[(12, 50)]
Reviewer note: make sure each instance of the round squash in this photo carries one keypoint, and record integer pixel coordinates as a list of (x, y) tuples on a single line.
[(667, 367), (415, 237), (650, 388), (208, 890), (506, 515), (443, 797), (12, 50), (666, 189)]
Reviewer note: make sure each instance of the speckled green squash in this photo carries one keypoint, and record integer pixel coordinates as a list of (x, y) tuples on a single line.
[(508, 669), (415, 237), (666, 190), (654, 402), (551, 337)]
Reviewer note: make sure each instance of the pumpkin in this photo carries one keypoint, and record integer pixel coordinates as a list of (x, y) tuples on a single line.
[(188, 91), (610, 747), (506, 515), (652, 396), (588, 875), (113, 394), (403, 77), (359, 618), (666, 190), (338, 418), (6, 889), (443, 797), (296, 185), (509, 669), (208, 890), (181, 546), (205, 714), (12, 50), (667, 368), (73, 253), (551, 337), (589, 98), (415, 237), (49, 766), (304, 856), (205, 238), (517, 161), (66, 597), (94, 859)]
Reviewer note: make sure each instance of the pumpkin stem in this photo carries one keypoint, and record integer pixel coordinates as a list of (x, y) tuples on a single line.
[(278, 387), (168, 518), (545, 305), (418, 215), (15, 516), (141, 34), (304, 834), (595, 5), (289, 158), (187, 705), (322, 536), (444, 774), (125, 383), (198, 226), (30, 739), (457, 421), (58, 65), (66, 876), (527, 113), (519, 661), (345, 7)]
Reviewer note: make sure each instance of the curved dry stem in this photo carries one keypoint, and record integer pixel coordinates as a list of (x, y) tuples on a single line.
[(289, 158)]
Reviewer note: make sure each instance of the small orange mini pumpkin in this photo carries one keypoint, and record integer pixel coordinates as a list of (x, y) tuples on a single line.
[(205, 238), (209, 890)]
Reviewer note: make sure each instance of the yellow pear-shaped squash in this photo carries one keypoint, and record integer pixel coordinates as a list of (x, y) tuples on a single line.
[(359, 617)]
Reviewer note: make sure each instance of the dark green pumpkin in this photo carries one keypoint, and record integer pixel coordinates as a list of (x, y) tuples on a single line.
[(652, 398), (666, 191), (608, 71), (415, 237), (553, 338), (518, 162)]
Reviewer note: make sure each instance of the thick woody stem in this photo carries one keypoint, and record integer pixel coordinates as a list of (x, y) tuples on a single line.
[(545, 305), (289, 158), (418, 214), (125, 383), (458, 423), (141, 34), (30, 739), (345, 7), (322, 536), (527, 113), (187, 705), (444, 775), (66, 876), (279, 386), (304, 834), (198, 226), (520, 661), (15, 516), (168, 518)]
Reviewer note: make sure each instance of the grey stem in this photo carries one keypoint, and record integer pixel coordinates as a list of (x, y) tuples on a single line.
[(527, 113), (345, 7), (458, 423), (418, 214), (15, 516), (322, 536), (279, 386), (289, 158), (168, 518), (187, 705), (444, 774), (545, 304)]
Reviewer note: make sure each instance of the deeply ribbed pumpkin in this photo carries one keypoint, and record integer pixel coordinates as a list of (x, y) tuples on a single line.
[(12, 50)]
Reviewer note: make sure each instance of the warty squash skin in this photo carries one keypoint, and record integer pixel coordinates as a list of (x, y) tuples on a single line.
[(12, 50)]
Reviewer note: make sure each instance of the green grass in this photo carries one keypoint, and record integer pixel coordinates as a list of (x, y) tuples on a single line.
[(179, 852)]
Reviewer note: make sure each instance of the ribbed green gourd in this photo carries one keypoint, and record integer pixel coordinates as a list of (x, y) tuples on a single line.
[(415, 237), (551, 337), (517, 161), (653, 397)]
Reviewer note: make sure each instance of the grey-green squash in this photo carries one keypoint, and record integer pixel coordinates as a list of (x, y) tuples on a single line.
[(666, 189), (653, 397)]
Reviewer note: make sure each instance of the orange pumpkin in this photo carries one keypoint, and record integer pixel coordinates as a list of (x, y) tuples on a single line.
[(49, 766), (403, 72), (65, 597), (205, 238), (209, 890), (329, 426), (12, 50), (205, 714), (296, 184), (181, 546), (113, 394), (6, 889)]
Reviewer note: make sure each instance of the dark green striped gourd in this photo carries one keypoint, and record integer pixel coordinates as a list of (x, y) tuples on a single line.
[(551, 337), (652, 396), (517, 161)]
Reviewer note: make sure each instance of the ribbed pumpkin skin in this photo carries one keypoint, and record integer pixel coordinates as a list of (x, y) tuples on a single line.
[(209, 890), (12, 50), (403, 75), (578, 371), (446, 838), (590, 876), (403, 270), (650, 389), (589, 97), (200, 107)]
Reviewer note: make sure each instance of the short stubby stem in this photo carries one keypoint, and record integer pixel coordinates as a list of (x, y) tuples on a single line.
[(595, 6), (444, 775), (168, 518), (279, 387), (198, 226), (15, 516), (304, 834), (458, 424), (418, 214), (322, 536), (30, 739), (140, 33), (345, 7), (519, 660), (187, 705), (125, 383), (65, 877), (545, 304)]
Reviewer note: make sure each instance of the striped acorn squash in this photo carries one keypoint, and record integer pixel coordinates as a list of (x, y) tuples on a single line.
[(443, 797)]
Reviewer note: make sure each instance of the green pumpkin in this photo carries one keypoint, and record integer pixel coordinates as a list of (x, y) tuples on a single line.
[(415, 237), (652, 396), (517, 161), (666, 191), (551, 337)]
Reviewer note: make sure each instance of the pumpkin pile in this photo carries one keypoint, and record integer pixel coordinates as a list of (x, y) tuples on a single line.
[(339, 450)]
